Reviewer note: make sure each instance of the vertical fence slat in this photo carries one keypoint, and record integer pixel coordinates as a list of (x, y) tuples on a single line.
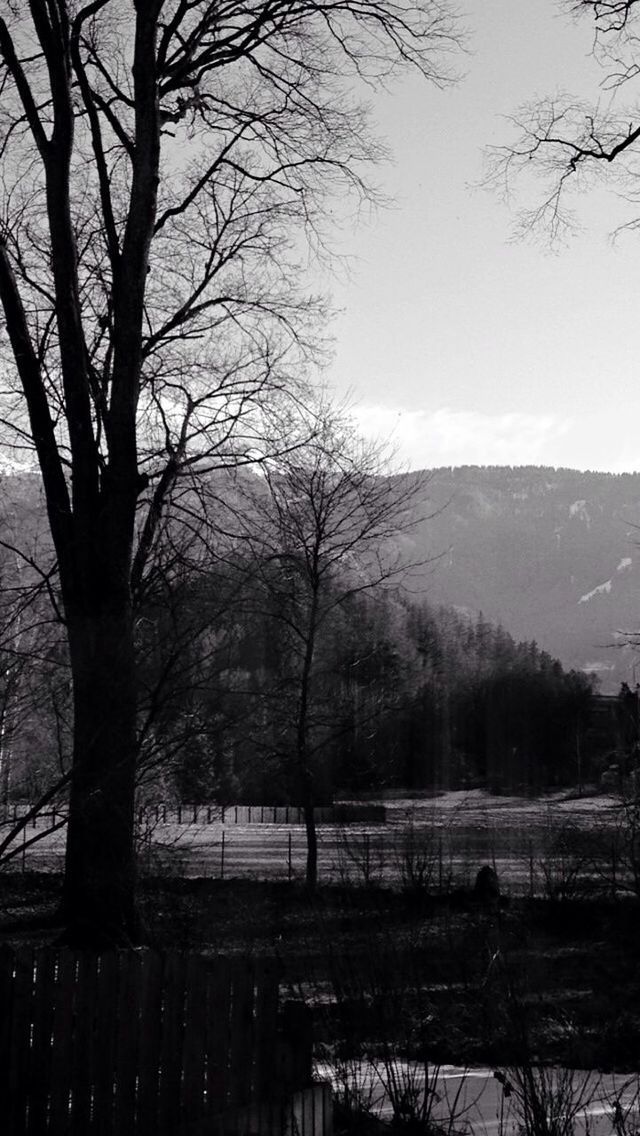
[(105, 1044), (266, 1028), (62, 1041), (151, 979), (171, 1049), (194, 1045), (241, 1047), (40, 1068), (20, 1042), (308, 1113), (6, 1003), (217, 1036), (81, 1068), (126, 1042)]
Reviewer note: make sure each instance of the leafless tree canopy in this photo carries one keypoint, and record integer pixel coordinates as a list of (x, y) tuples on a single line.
[(565, 145), (326, 524), (164, 166)]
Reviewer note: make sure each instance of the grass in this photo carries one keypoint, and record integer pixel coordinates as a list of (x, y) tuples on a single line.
[(430, 975), (550, 846)]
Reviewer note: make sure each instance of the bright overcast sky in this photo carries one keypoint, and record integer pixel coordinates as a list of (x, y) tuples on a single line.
[(466, 347)]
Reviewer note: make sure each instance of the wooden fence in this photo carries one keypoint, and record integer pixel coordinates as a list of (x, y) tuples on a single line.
[(259, 814), (139, 1042), (220, 814)]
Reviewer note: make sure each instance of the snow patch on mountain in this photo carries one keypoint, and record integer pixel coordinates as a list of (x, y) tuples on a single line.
[(625, 564), (598, 667), (579, 509), (482, 502), (601, 589)]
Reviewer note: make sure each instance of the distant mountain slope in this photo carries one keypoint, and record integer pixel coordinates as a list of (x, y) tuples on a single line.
[(552, 554)]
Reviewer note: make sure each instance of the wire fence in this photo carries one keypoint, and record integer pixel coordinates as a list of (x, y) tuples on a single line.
[(541, 859), (536, 848)]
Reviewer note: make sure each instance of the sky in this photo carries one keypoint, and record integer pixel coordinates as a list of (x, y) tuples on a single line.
[(457, 342)]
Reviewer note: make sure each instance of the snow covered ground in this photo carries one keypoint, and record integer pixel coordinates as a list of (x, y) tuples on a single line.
[(457, 832), (474, 1101)]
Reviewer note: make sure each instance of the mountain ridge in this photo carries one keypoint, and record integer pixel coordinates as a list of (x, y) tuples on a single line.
[(550, 553)]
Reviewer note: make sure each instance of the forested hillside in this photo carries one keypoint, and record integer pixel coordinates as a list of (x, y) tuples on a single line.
[(448, 677), (550, 554)]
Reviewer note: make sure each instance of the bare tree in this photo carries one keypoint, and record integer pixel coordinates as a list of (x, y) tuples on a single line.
[(159, 163), (326, 525), (34, 676), (564, 145)]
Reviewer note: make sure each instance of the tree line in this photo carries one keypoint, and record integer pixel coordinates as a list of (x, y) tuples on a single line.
[(404, 696), (286, 663)]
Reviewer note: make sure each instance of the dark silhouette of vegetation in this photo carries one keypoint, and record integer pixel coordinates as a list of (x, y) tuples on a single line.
[(400, 695), (160, 164)]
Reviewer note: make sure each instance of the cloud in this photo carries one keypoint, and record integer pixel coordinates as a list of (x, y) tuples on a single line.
[(445, 437)]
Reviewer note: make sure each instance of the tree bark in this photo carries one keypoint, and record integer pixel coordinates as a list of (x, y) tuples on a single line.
[(99, 897)]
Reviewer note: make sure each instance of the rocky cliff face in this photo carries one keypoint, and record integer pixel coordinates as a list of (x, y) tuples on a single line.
[(553, 555)]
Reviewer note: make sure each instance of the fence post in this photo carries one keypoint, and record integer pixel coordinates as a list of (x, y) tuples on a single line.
[(179, 814), (367, 865), (297, 1035), (290, 865), (531, 884), (614, 870), (222, 857), (24, 841), (440, 870)]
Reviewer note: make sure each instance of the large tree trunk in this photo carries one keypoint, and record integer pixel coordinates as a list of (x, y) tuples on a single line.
[(99, 905)]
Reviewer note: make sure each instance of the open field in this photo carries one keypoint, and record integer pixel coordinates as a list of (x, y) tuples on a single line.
[(407, 970), (444, 840)]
